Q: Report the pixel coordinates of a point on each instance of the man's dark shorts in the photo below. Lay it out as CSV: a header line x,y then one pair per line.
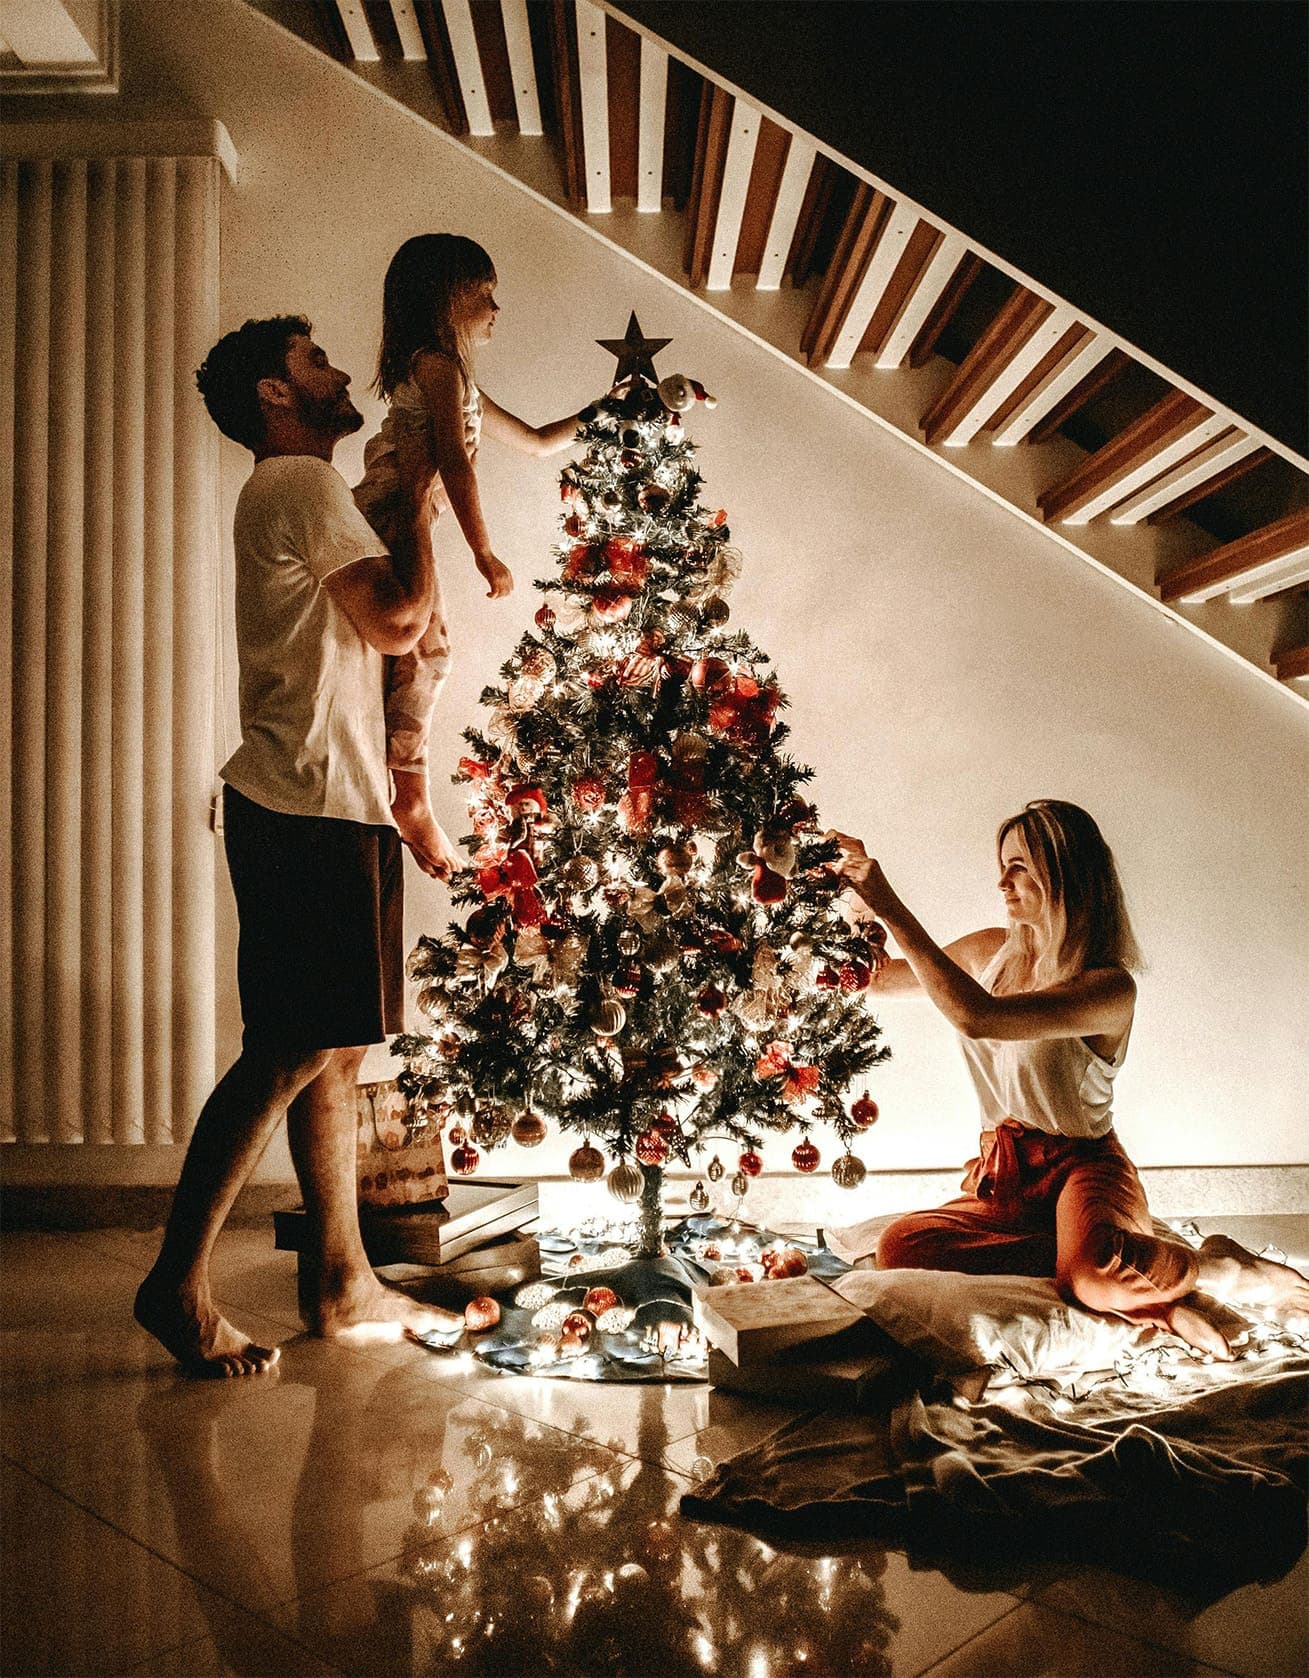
x,y
320,962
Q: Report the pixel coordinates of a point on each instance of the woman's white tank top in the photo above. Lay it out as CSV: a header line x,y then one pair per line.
x,y
1055,1084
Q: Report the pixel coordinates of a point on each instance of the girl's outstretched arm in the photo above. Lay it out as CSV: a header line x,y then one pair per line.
x,y
442,385
1098,1002
539,440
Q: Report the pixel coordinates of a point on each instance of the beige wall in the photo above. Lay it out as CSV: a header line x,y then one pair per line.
x,y
945,662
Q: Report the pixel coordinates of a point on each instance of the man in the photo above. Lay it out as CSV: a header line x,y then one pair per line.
x,y
311,845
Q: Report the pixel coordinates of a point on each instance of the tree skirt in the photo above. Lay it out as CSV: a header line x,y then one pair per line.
x,y
638,1325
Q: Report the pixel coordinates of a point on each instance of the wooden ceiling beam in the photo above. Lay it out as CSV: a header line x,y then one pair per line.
x,y
868,211
358,31
710,155
925,290
1292,663
1102,373
468,65
650,129
893,237
1228,449
1211,486
563,40
441,66
408,30
943,310
1068,369
593,85
522,66
1171,430
1250,561
791,193
743,137
957,413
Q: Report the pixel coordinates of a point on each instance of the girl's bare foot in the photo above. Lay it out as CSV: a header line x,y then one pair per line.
x,y
362,1309
199,1337
426,838
1233,1272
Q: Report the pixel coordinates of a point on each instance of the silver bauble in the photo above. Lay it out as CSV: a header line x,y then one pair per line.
x,y
714,1170
609,1017
739,1184
626,1181
699,1198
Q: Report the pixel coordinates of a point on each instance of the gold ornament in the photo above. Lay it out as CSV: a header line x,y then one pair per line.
x,y
699,1198
714,1170
609,1017
586,1164
528,1130
848,1171
739,1184
627,1181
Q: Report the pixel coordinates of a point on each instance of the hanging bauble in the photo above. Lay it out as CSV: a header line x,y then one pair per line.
x,y
627,981
608,1017
586,1164
611,501
575,1333
699,1198
662,953
848,1171
626,1181
751,1163
464,1159
457,1136
651,1148
580,873
864,1112
714,1170
483,1127
665,1125
654,498
715,612
827,978
528,1130
804,1156
739,1184
629,941
545,617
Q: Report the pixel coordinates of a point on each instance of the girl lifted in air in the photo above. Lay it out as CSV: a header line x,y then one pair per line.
x,y
438,308
1044,1010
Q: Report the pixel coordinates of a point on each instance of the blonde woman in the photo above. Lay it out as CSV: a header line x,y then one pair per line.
x,y
1044,1010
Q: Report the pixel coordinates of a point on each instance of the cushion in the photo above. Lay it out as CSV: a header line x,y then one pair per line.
x,y
1016,1326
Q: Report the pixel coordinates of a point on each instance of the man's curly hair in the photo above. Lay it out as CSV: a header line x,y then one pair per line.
x,y
229,376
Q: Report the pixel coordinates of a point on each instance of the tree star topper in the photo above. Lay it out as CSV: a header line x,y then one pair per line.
x,y
635,353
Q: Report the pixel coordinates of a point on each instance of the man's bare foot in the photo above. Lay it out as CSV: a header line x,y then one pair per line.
x,y
1207,1325
364,1310
1231,1271
426,839
199,1337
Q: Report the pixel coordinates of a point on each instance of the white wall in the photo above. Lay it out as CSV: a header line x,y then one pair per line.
x,y
945,662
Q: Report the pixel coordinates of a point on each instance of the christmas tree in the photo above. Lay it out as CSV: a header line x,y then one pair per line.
x,y
656,955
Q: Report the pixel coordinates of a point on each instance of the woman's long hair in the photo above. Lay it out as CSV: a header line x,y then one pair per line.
x,y
1085,922
429,277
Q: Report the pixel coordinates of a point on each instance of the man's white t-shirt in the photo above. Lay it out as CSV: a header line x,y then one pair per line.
x,y
313,731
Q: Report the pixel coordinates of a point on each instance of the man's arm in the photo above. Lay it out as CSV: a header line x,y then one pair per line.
x,y
388,597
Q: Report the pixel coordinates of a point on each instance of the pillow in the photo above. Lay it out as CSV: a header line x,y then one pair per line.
x,y
1015,1326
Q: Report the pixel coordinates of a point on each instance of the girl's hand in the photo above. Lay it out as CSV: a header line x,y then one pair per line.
x,y
499,576
862,873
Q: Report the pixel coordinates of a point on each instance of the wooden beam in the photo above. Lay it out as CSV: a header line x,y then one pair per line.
x,y
1022,313
623,103
1292,663
1258,553
468,65
412,46
568,100
942,311
710,155
493,53
1211,486
522,66
868,212
819,192
1102,373
1282,576
593,86
358,31
893,237
761,197
1073,358
743,136
1229,448
791,193
1166,433
650,134
922,294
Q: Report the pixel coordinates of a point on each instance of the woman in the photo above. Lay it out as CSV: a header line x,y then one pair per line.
x,y
1044,1010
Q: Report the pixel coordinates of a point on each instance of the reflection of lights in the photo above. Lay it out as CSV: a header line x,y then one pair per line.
x,y
465,1552
705,1651
758,1667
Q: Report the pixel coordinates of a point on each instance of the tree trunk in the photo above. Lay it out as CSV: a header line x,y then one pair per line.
x,y
652,1213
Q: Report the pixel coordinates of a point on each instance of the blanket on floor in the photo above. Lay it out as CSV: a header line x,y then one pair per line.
x,y
1200,1476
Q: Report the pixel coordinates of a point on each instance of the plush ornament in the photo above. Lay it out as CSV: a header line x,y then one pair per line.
x,y
865,1111
464,1159
480,1314
711,1002
805,1157
575,1333
651,1148
586,1164
750,1163
529,1130
599,1300
515,878
848,1171
544,618
678,393
714,1170
766,886
627,1181
608,1017
699,1198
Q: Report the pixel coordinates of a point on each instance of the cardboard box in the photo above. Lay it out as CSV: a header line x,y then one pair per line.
x,y
751,1322
855,1371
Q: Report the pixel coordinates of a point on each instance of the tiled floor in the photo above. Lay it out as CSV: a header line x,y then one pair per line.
x,y
385,1511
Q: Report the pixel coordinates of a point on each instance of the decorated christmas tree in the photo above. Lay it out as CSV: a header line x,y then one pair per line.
x,y
656,957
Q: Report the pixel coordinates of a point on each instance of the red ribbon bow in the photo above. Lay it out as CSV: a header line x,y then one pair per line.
x,y
798,1080
515,878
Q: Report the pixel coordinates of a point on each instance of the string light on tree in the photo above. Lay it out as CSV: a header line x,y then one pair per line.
x,y
652,952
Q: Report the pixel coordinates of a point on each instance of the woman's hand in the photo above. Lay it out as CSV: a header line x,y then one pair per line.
x,y
862,873
498,575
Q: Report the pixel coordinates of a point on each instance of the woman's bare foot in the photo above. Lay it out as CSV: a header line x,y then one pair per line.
x,y
1207,1326
426,838
362,1309
199,1337
1231,1271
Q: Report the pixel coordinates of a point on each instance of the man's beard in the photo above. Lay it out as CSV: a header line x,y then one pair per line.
x,y
337,415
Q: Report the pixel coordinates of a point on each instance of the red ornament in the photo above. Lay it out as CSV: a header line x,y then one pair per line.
x,y
827,978
575,1333
600,1300
855,976
481,1314
627,980
750,1163
588,793
464,1159
666,1125
586,1164
545,617
628,565
651,1148
864,1112
580,564
711,1002
766,887
804,1156
611,605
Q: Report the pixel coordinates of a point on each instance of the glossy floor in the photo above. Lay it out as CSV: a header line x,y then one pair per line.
x,y
385,1511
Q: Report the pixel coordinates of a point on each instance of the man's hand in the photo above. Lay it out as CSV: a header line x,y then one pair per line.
x,y
862,873
499,576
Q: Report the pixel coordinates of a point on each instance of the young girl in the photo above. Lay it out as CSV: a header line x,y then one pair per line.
x,y
1044,1009
438,307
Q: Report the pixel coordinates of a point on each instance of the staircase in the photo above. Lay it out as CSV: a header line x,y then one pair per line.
x,y
897,313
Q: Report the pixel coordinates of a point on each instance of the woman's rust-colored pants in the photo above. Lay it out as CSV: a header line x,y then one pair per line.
x,y
1062,1206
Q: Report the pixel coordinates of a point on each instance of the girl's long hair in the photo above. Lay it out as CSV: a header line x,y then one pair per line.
x,y
428,278
1085,920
